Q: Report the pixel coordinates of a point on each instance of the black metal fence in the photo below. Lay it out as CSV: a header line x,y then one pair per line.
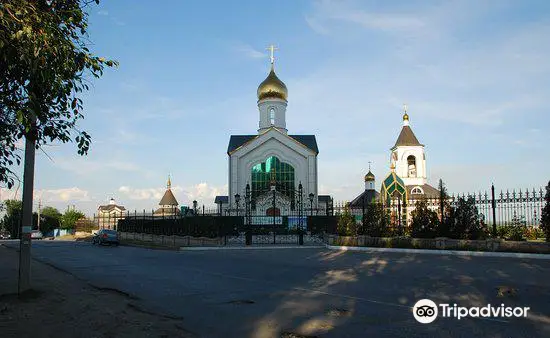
x,y
521,207
215,226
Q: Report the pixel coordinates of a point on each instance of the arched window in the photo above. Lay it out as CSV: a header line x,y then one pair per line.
x,y
272,116
411,166
417,191
263,173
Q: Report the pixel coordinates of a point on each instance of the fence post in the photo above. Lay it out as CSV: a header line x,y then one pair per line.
x,y
493,205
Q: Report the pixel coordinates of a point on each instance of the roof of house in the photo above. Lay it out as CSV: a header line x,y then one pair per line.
x,y
407,138
369,197
429,191
168,198
110,207
235,141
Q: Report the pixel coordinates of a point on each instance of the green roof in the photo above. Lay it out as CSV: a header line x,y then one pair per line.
x,y
392,184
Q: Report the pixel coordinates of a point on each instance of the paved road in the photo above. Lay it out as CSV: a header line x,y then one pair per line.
x,y
262,293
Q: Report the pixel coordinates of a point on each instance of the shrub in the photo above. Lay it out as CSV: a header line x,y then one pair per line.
x,y
424,222
375,221
465,222
532,233
346,223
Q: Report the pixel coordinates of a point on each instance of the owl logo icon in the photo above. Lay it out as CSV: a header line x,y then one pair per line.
x,y
425,311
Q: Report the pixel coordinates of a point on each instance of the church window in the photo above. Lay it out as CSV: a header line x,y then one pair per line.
x,y
417,191
272,116
411,166
272,169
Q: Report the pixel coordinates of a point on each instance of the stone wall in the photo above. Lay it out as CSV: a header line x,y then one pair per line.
x,y
440,243
169,241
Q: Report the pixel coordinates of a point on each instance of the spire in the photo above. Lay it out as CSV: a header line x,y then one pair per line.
x,y
405,115
169,183
272,50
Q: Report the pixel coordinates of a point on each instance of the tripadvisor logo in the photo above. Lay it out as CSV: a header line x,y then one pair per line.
x,y
426,311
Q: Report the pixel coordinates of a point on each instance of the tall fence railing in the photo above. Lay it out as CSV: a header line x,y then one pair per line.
x,y
510,207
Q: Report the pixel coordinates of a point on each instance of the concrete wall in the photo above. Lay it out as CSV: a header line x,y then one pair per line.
x,y
170,241
441,244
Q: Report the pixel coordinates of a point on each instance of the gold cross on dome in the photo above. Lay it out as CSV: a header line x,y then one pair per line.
x,y
272,50
369,165
405,108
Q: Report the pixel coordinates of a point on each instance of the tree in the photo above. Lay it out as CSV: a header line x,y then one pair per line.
x,y
346,223
514,230
11,221
424,222
465,222
545,217
44,67
69,218
376,221
50,219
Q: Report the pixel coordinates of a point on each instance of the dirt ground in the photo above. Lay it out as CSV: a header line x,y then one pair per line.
x,y
60,305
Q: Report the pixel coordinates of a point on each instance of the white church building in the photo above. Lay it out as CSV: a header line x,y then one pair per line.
x,y
271,166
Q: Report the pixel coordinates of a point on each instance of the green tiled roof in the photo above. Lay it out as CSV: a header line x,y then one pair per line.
x,y
392,184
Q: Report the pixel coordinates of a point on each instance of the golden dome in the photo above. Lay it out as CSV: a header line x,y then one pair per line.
x,y
369,177
406,117
272,87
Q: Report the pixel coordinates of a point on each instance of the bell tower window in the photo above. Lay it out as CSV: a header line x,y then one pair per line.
x,y
411,166
272,116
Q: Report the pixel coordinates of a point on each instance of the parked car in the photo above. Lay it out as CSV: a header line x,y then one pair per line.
x,y
5,235
106,236
36,234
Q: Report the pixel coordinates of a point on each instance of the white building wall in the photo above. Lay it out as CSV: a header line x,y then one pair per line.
x,y
264,107
272,143
401,165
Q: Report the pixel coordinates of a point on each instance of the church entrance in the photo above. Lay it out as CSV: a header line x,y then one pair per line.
x,y
273,212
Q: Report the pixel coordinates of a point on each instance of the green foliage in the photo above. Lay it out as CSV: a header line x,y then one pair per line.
x,y
69,218
534,232
425,222
45,65
465,222
515,230
346,223
376,221
50,219
545,217
11,222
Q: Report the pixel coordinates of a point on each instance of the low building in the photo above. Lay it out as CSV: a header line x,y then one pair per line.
x,y
168,203
109,214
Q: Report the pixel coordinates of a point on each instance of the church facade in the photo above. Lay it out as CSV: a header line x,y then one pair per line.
x,y
407,181
408,178
271,171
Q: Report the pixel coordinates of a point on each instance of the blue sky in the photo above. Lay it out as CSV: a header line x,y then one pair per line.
x,y
475,75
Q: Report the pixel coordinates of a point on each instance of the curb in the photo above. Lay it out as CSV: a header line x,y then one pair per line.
x,y
265,247
443,252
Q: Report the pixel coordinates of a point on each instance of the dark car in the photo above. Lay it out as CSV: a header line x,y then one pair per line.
x,y
106,236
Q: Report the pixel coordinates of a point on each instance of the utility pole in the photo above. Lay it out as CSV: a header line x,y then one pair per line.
x,y
26,224
39,206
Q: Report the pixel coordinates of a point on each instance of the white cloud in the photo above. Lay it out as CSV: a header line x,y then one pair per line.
x,y
86,166
249,51
327,15
202,192
103,12
73,194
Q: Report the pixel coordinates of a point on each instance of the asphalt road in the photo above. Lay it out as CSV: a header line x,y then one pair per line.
x,y
315,292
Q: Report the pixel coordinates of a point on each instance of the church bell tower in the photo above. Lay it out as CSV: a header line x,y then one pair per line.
x,y
272,101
